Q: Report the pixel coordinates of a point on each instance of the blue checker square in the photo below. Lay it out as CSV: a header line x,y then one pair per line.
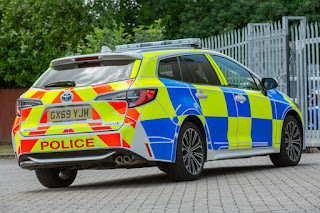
x,y
152,127
231,105
273,106
162,150
244,108
282,108
261,130
218,127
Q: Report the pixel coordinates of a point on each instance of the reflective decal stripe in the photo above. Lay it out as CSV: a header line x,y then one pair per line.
x,y
217,69
135,69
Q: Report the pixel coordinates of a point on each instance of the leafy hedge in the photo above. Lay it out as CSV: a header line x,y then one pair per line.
x,y
33,32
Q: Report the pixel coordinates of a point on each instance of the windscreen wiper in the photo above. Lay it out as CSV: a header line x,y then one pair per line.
x,y
61,84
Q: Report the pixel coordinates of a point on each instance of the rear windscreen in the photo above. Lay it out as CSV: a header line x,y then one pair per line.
x,y
87,74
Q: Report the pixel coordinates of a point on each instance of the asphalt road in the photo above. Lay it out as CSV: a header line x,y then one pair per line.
x,y
241,185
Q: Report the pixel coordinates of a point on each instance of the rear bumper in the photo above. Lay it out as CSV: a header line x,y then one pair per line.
x,y
81,150
85,159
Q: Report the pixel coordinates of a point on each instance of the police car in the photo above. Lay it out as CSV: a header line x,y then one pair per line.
x,y
169,104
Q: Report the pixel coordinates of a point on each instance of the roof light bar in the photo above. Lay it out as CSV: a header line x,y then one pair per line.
x,y
188,42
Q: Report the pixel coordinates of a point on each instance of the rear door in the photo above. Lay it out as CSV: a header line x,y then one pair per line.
x,y
217,106
255,110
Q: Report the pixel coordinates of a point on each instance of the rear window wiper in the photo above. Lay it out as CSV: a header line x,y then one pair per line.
x,y
61,84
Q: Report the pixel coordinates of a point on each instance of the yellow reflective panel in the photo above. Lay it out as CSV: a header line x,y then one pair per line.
x,y
150,82
127,132
86,94
143,66
260,105
165,102
232,132
56,129
107,112
279,133
153,110
181,118
135,69
33,118
17,139
150,69
298,111
215,104
30,93
274,132
244,133
119,85
49,96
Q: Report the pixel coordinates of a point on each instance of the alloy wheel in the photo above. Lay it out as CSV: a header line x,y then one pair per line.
x,y
293,141
192,151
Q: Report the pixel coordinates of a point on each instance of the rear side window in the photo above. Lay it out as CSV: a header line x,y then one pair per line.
x,y
87,74
201,69
186,75
169,68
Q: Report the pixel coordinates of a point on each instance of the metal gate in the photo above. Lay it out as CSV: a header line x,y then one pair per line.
x,y
288,54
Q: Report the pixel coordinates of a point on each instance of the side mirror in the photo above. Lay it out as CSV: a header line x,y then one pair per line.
x,y
269,83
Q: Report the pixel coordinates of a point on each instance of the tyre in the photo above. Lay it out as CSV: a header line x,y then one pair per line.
x,y
291,144
56,177
190,154
163,168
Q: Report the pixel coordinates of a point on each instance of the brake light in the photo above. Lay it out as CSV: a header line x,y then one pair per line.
x,y
139,97
133,97
26,103
18,111
86,58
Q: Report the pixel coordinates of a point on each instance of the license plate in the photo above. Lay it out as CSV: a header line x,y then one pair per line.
x,y
70,114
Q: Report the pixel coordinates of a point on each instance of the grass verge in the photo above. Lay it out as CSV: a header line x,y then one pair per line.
x,y
6,150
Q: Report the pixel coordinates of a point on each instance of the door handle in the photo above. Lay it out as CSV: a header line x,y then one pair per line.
x,y
240,98
201,95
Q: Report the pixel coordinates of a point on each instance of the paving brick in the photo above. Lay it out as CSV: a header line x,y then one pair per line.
x,y
239,185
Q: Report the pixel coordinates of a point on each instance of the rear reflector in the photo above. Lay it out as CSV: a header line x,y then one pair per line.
x,y
148,148
86,58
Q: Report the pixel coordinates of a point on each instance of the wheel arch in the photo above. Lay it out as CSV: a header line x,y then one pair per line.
x,y
297,116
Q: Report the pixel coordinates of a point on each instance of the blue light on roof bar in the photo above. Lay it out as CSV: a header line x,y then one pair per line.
x,y
188,42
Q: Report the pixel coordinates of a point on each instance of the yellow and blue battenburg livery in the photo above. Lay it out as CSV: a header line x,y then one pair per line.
x,y
166,103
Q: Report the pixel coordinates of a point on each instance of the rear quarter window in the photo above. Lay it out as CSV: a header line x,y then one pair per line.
x,y
169,68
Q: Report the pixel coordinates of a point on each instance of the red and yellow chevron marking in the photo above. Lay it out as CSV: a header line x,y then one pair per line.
x,y
127,131
16,135
16,125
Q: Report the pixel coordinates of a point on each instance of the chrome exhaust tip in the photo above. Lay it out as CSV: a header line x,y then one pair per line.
x,y
126,159
119,159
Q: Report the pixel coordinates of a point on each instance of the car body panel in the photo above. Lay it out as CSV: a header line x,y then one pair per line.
x,y
151,130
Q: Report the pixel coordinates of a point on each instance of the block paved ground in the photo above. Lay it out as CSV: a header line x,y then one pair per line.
x,y
241,185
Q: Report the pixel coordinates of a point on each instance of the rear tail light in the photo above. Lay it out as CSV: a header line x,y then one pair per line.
x,y
139,97
133,97
26,103
86,58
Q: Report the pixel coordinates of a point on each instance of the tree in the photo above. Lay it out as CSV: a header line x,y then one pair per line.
x,y
33,32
